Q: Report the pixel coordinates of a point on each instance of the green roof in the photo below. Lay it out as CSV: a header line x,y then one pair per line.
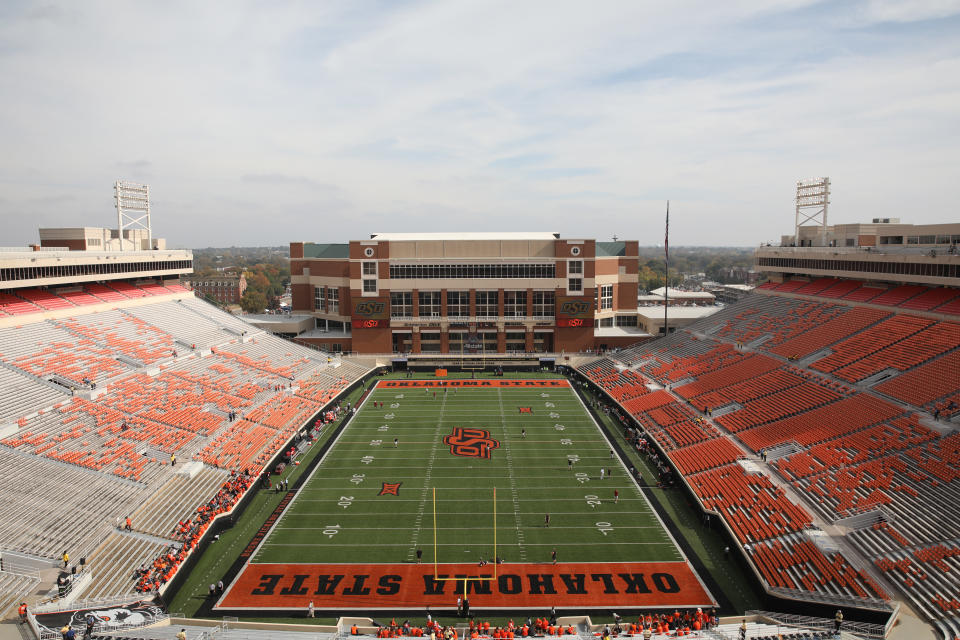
x,y
611,249
331,251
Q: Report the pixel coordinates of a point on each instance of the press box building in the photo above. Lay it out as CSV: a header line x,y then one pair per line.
x,y
466,292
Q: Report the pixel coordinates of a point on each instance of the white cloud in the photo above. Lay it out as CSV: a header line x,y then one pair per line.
x,y
264,124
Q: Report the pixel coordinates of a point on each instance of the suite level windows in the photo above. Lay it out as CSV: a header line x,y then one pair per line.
x,y
544,303
458,304
71,270
514,304
429,304
487,303
401,304
455,271
606,296
862,266
319,294
333,300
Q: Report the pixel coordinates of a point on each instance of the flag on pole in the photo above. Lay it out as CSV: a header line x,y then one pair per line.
x,y
666,236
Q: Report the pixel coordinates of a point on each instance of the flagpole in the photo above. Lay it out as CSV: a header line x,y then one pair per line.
x,y
666,275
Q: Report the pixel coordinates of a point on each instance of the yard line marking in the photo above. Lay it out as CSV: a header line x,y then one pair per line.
x,y
418,528
513,480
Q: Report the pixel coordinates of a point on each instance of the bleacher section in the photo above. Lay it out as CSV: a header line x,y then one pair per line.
x,y
14,588
915,297
841,396
94,405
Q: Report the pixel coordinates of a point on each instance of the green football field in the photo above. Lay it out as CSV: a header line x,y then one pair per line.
x,y
421,473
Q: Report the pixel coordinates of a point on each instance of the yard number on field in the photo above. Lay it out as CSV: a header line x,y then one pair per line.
x,y
345,501
604,527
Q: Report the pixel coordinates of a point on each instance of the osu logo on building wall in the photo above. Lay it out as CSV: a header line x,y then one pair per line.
x,y
575,307
472,443
370,308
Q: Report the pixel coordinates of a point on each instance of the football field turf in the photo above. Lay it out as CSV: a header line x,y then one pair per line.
x,y
502,468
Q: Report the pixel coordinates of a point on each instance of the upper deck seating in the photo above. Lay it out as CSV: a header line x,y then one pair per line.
x,y
45,299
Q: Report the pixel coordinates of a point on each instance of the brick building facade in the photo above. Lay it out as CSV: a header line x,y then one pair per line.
x,y
466,292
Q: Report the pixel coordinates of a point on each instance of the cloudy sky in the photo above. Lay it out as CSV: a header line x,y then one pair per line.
x,y
264,122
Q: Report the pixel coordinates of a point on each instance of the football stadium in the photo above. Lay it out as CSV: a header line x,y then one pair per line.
x,y
787,465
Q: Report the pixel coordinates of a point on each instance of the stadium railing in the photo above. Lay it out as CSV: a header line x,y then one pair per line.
x,y
864,629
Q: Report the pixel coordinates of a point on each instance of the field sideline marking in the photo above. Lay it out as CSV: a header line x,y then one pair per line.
x,y
460,544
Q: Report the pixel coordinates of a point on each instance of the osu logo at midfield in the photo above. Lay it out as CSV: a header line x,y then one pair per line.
x,y
473,443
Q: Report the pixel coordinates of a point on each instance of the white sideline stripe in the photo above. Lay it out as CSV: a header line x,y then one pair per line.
x,y
472,545
504,528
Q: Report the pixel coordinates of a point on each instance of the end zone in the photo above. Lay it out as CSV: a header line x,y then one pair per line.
x,y
282,587
547,383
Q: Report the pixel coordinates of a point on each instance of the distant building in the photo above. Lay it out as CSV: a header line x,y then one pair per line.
x,y
99,239
224,289
881,233
880,253
676,297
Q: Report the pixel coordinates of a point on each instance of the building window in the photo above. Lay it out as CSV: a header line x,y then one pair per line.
x,y
543,303
575,267
369,286
487,303
516,341
333,300
471,271
626,321
514,304
458,304
319,293
605,322
606,296
575,285
401,304
370,268
430,342
428,304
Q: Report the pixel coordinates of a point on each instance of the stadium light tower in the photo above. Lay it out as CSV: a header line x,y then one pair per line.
x,y
133,209
813,196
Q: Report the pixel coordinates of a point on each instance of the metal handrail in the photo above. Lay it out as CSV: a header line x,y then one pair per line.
x,y
812,622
